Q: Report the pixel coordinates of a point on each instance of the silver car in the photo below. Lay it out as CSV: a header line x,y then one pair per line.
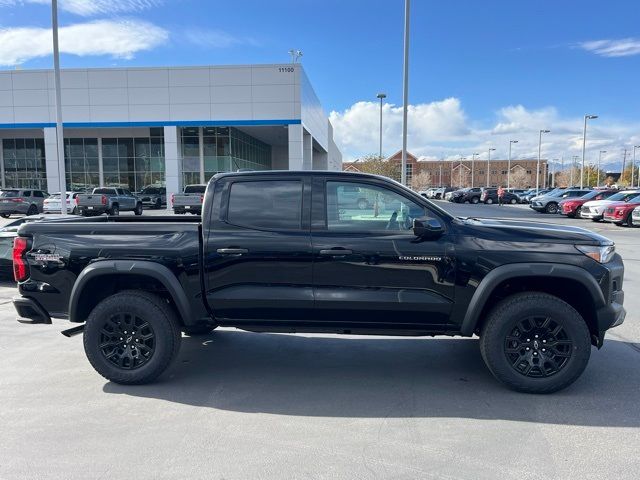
x,y
21,201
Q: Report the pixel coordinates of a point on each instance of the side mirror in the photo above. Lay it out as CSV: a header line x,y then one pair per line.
x,y
426,227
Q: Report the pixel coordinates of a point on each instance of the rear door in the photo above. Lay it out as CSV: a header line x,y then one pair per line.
x,y
258,250
369,268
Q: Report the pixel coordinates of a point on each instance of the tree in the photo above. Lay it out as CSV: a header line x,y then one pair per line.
x,y
421,181
519,178
378,166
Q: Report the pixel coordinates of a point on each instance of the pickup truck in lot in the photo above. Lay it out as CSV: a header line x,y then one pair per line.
x,y
190,200
281,252
108,200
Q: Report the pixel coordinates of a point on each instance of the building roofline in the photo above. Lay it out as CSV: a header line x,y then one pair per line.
x,y
153,67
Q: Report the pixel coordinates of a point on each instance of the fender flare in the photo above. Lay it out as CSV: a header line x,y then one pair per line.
x,y
515,270
130,267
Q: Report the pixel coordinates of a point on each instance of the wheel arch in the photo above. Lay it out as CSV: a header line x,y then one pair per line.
x,y
579,289
111,276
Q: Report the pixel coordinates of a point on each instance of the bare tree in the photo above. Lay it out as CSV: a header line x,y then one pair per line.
x,y
421,181
519,178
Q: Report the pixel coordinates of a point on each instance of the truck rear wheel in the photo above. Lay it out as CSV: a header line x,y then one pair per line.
x,y
535,343
138,209
131,337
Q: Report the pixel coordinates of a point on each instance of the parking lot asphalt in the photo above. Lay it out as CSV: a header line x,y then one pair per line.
x,y
240,405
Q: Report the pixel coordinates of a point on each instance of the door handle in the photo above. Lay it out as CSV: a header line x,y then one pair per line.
x,y
232,251
336,252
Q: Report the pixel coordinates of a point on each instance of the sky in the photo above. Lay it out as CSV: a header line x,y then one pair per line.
x,y
482,73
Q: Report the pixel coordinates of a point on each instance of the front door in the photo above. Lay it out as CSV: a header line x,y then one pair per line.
x,y
369,267
258,252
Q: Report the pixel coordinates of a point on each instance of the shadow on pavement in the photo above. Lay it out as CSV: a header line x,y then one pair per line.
x,y
383,377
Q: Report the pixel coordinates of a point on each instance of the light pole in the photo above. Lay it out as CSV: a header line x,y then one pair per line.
x,y
473,159
405,92
573,167
599,160
511,142
488,162
633,163
381,96
62,181
538,167
584,143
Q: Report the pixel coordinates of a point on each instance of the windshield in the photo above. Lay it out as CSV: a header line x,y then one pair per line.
x,y
621,196
150,190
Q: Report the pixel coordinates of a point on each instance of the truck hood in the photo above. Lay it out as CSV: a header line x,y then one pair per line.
x,y
520,231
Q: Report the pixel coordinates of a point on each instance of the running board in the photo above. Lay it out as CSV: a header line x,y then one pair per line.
x,y
73,331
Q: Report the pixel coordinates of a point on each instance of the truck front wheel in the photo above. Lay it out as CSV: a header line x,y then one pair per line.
x,y
131,337
535,343
115,211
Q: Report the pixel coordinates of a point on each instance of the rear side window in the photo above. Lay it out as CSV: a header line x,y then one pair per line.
x,y
38,193
195,188
26,193
107,191
10,193
268,205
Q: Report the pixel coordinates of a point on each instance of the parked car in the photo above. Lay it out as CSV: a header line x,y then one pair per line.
x,y
572,207
131,285
635,217
529,194
108,200
22,201
441,192
490,195
594,209
193,196
428,193
153,197
52,203
620,213
466,195
549,203
7,234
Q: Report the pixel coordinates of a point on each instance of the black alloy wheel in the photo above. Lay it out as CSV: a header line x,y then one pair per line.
x,y
33,210
538,347
127,341
551,207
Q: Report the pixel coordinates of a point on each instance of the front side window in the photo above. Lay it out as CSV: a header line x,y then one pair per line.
x,y
266,205
358,207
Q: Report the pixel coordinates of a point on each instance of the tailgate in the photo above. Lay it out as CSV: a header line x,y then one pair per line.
x,y
191,199
90,200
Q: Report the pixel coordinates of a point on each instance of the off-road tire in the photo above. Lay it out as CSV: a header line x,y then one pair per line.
x,y
151,309
505,317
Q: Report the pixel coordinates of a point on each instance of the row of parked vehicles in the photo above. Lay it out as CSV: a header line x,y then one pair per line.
x,y
621,207
109,200
479,195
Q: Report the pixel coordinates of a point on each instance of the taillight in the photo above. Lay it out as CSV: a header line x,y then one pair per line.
x,y
201,198
20,266
173,196
103,200
76,200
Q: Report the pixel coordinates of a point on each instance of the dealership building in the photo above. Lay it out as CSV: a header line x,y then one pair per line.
x,y
173,126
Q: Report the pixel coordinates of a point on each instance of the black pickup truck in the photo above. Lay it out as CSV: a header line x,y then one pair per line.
x,y
289,252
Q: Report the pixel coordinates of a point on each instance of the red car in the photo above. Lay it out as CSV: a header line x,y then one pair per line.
x,y
571,206
620,212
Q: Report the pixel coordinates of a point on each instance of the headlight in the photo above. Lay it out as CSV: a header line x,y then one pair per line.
x,y
602,254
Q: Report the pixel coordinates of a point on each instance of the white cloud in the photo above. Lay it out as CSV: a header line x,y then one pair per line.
x,y
624,47
120,39
87,8
441,129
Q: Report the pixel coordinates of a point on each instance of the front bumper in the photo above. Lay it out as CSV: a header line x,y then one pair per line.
x,y
537,206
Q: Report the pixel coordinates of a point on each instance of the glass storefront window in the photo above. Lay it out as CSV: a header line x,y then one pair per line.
x,y
134,163
24,163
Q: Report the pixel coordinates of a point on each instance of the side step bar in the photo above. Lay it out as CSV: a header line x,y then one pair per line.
x,y
70,332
